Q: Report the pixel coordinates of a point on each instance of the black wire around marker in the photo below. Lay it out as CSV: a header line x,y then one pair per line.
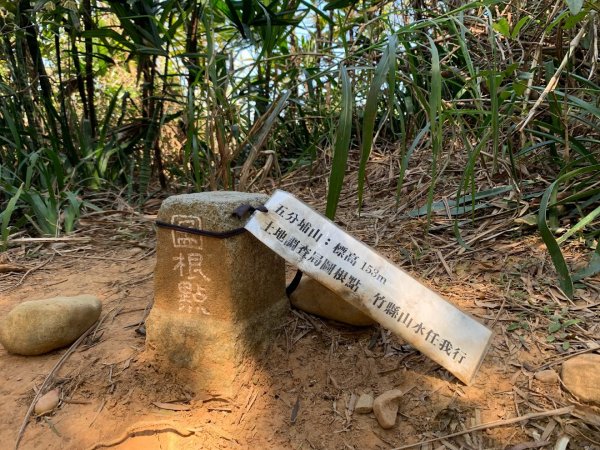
x,y
242,210
294,283
239,212
215,234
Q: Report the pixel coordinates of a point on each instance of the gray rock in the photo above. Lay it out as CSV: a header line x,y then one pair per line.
x,y
39,326
546,376
581,376
364,405
385,408
312,297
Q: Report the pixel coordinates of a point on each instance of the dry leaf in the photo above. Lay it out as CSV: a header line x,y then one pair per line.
x,y
5,268
588,414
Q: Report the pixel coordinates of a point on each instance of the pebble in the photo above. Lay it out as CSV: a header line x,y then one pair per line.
x,y
314,298
134,251
40,326
385,408
581,376
47,402
546,376
364,405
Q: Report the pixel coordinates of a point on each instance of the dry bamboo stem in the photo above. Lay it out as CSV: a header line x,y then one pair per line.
x,y
497,423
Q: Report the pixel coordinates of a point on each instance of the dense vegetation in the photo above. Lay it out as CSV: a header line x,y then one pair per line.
x,y
130,95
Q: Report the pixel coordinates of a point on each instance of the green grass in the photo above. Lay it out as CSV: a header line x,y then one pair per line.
x,y
219,94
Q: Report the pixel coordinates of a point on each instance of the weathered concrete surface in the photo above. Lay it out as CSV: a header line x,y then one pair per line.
x,y
39,326
217,301
312,297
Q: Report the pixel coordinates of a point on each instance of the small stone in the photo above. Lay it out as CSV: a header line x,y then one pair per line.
x,y
134,251
314,298
364,405
581,376
546,376
47,402
39,326
385,408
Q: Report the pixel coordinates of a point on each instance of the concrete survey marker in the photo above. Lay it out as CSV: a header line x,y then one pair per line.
x,y
370,282
216,301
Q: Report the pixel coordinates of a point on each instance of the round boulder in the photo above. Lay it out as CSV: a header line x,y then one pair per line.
x,y
39,326
314,298
581,376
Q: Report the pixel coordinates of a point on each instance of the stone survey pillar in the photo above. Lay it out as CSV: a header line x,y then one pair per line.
x,y
216,301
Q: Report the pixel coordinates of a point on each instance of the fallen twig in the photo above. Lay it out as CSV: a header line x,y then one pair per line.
x,y
295,411
144,317
249,402
502,305
18,283
570,355
528,445
52,426
46,382
45,240
6,268
98,411
497,423
145,427
554,80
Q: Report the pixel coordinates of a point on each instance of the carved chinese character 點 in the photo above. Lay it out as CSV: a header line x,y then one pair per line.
x,y
192,298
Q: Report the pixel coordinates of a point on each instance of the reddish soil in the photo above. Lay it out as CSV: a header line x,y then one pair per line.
x,y
301,394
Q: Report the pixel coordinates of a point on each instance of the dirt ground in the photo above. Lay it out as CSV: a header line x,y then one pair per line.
x,y
302,394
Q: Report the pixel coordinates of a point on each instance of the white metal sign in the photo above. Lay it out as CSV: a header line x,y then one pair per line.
x,y
370,282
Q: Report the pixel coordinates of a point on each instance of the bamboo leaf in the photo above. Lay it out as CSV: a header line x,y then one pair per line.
x,y
406,159
233,15
435,109
316,10
592,268
517,28
575,6
560,264
247,11
108,33
494,80
554,327
107,116
342,145
338,4
565,279
370,111
461,203
585,221
6,215
502,27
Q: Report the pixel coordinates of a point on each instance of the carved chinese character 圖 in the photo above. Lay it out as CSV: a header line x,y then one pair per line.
x,y
182,239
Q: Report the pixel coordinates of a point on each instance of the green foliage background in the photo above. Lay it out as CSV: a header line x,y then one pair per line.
x,y
132,94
